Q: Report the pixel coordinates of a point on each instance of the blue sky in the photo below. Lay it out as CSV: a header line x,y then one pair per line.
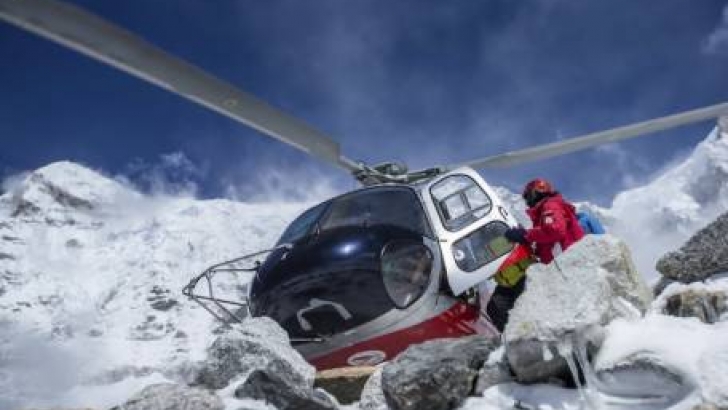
x,y
422,81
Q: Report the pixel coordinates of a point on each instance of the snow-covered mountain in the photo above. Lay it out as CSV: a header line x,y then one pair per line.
x,y
90,279
663,214
91,270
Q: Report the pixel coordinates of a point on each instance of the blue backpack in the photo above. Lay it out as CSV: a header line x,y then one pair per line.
x,y
589,223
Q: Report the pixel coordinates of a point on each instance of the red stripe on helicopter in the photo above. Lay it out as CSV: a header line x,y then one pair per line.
x,y
460,320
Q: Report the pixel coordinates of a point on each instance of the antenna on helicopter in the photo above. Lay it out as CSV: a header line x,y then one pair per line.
x,y
102,40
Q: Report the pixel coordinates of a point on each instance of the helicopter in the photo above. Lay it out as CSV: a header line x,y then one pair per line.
x,y
358,278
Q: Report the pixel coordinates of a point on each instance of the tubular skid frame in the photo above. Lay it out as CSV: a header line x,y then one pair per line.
x,y
193,293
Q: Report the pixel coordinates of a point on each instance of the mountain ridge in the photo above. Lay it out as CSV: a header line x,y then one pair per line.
x,y
91,269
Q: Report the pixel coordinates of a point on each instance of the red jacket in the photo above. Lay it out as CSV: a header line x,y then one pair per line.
x,y
554,223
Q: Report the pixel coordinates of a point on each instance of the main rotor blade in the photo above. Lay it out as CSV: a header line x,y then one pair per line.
x,y
598,138
99,39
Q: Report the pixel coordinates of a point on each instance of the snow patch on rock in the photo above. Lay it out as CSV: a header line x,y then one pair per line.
x,y
584,286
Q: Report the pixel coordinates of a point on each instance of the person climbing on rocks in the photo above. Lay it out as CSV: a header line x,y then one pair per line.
x,y
555,224
555,229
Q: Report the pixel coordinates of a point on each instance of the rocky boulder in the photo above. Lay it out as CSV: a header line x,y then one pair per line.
x,y
705,305
372,396
704,254
167,396
274,389
583,289
256,344
495,371
435,375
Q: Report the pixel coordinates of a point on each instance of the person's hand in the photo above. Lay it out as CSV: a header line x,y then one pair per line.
x,y
516,235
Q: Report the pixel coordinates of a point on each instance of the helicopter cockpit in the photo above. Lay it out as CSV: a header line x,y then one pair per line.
x,y
358,256
348,261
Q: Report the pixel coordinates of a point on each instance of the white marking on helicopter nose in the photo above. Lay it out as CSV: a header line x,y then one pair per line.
x,y
315,304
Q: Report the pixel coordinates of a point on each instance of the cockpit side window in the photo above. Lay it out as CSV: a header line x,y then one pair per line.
x,y
392,206
302,225
460,201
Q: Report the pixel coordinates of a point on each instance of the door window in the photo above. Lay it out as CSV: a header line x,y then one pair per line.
x,y
482,246
302,225
460,201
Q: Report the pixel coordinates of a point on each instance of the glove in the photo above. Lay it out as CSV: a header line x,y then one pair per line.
x,y
516,235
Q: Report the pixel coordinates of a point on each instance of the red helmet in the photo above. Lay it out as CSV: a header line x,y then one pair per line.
x,y
536,190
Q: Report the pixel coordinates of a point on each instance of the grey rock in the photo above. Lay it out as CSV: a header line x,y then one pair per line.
x,y
257,344
583,289
492,374
703,255
705,305
167,396
536,361
151,329
372,396
7,256
73,243
438,374
274,389
163,304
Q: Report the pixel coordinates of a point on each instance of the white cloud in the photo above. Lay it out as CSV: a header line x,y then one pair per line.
x,y
11,182
632,170
295,184
717,41
173,174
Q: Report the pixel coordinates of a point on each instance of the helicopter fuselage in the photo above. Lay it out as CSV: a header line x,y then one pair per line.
x,y
367,273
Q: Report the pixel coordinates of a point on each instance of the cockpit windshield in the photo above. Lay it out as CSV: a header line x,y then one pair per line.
x,y
393,206
302,225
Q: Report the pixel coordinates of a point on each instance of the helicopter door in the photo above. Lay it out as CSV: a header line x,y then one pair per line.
x,y
470,220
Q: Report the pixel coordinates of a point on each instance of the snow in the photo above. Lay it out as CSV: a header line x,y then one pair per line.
x,y
714,284
696,351
84,256
686,346
661,216
511,395
105,395
79,277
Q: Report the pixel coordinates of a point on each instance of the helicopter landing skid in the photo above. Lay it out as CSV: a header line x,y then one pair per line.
x,y
227,310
